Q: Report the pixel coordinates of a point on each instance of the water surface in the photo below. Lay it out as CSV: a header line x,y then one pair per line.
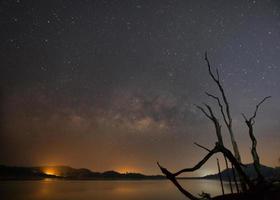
x,y
104,190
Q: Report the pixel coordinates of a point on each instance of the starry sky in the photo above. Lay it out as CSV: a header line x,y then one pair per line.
x,y
111,84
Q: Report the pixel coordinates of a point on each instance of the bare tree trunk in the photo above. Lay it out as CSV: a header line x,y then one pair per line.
x,y
220,176
250,123
219,146
234,178
255,153
228,175
225,113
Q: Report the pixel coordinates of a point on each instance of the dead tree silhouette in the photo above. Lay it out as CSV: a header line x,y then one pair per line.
x,y
250,123
219,147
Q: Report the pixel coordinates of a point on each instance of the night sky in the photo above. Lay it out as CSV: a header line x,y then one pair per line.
x,y
112,84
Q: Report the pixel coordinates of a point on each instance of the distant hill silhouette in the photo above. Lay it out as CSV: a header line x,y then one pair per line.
x,y
65,172
268,172
8,173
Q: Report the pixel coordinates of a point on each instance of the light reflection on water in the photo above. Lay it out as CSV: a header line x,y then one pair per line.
x,y
104,190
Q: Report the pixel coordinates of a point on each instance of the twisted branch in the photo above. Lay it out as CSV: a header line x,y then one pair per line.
x,y
217,149
250,123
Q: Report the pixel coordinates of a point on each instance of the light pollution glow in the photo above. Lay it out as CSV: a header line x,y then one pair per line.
x,y
51,171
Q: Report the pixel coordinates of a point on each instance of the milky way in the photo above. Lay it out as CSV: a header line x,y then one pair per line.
x,y
112,84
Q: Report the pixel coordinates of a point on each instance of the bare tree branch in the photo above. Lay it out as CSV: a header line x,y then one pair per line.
x,y
220,105
204,112
228,118
199,164
205,148
244,116
217,81
210,111
217,149
215,121
218,75
209,69
258,105
250,123
173,179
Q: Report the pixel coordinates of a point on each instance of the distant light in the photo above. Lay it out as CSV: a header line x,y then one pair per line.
x,y
51,171
125,170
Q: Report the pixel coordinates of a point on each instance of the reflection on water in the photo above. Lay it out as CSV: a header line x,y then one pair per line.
x,y
104,190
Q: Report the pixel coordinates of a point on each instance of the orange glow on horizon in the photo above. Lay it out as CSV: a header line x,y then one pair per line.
x,y
124,170
51,171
